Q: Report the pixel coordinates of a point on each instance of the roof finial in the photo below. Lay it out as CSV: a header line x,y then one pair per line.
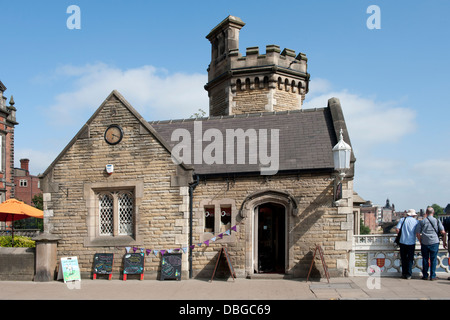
x,y
11,101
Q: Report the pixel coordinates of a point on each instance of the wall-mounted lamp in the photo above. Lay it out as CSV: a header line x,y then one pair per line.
x,y
341,157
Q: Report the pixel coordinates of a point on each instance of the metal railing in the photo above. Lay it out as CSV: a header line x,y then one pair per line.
x,y
21,232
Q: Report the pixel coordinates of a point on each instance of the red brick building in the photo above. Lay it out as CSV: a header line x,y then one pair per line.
x,y
7,124
27,185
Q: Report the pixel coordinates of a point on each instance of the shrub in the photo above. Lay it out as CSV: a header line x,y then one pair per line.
x,y
19,241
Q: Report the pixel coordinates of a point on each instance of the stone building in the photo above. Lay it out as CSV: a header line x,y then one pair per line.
x,y
256,176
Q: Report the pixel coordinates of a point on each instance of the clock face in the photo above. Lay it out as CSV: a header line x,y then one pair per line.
x,y
114,134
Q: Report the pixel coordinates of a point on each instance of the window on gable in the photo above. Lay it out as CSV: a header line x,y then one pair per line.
x,y
116,213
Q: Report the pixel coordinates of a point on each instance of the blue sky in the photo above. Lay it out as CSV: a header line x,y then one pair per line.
x,y
392,82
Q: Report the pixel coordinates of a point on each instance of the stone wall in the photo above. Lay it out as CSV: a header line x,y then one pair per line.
x,y
142,166
315,221
17,264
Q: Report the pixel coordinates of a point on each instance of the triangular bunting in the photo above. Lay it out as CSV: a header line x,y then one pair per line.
x,y
162,252
206,242
184,249
213,239
155,252
127,249
148,251
227,232
233,228
220,235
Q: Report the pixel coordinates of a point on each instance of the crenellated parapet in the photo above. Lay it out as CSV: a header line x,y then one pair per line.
x,y
257,82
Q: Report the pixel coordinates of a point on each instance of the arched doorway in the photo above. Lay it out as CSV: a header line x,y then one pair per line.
x,y
284,208
270,238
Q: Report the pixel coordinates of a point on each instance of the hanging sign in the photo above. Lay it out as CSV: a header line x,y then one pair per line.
x,y
69,269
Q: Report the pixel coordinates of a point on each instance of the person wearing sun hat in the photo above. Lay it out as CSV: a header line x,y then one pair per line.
x,y
407,243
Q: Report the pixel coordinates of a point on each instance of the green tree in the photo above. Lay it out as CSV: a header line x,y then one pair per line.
x,y
363,229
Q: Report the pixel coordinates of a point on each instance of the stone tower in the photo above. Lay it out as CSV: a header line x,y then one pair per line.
x,y
274,81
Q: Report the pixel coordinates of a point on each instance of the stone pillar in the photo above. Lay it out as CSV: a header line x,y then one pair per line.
x,y
46,257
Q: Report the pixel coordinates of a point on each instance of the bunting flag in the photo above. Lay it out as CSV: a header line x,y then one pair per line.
x,y
183,249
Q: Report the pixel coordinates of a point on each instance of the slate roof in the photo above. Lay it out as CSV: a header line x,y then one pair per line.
x,y
306,138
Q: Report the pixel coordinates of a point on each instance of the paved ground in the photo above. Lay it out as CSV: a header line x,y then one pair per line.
x,y
353,288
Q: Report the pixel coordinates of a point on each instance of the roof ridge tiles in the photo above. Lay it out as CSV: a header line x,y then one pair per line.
x,y
235,116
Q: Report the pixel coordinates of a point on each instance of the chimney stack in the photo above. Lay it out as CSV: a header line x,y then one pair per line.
x,y
24,164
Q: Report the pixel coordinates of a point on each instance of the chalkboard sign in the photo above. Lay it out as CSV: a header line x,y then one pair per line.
x,y
223,253
133,263
171,266
103,264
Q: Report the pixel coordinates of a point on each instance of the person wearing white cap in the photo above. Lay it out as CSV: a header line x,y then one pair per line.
x,y
407,226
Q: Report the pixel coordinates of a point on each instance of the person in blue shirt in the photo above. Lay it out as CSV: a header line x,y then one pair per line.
x,y
428,231
407,244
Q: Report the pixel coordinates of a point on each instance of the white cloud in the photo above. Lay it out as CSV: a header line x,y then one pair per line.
x,y
155,93
39,160
369,121
373,125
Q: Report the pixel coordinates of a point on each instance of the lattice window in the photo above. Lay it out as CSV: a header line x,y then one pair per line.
x,y
126,210
106,208
116,213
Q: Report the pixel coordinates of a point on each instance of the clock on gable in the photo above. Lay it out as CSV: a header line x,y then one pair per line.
x,y
113,134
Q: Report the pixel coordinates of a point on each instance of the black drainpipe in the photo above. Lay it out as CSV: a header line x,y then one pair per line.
x,y
191,198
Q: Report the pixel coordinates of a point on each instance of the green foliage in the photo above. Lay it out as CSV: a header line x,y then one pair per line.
x,y
201,113
19,241
363,229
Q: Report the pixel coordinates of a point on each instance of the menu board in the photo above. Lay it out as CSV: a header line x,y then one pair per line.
x,y
103,264
133,263
171,266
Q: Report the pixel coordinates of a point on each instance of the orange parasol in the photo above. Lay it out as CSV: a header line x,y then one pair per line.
x,y
13,210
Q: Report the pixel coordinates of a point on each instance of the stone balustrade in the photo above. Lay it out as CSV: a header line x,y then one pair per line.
x,y
370,251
